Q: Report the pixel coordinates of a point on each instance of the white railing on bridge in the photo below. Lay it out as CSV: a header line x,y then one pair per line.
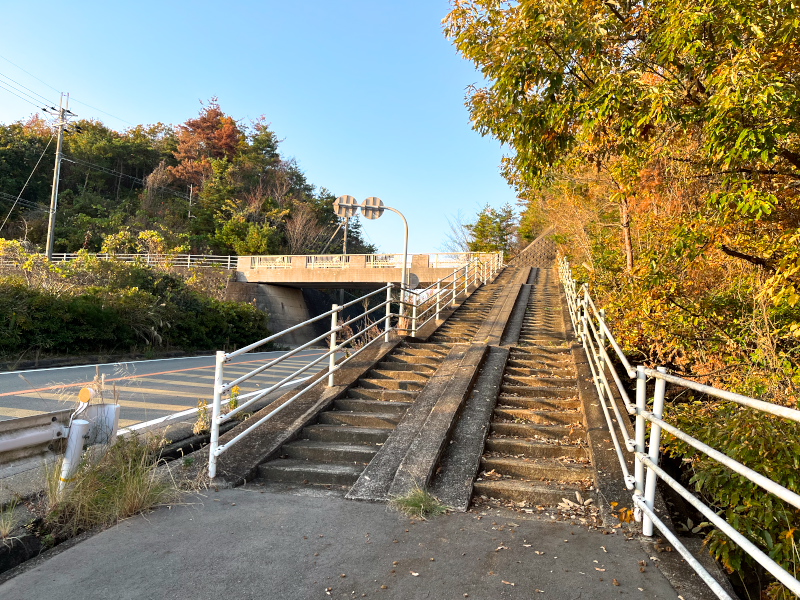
x,y
345,336
446,260
590,326
170,260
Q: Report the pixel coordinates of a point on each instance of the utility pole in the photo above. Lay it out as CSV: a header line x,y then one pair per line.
x,y
344,244
51,225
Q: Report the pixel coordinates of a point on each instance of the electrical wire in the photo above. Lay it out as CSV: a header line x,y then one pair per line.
x,y
101,110
18,84
36,104
31,74
108,171
26,182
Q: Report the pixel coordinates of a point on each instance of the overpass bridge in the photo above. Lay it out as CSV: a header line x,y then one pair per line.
x,y
322,271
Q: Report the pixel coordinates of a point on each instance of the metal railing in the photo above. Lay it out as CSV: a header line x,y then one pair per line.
x,y
172,260
597,339
416,308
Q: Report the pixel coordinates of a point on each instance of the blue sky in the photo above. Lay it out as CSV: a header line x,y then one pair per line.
x,y
367,96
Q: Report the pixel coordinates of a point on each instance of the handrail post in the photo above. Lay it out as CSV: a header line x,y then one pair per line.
x,y
216,409
655,444
414,318
332,357
453,301
388,326
602,327
438,298
466,278
641,406
585,313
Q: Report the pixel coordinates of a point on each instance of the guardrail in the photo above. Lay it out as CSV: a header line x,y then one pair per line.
x,y
172,260
591,328
416,307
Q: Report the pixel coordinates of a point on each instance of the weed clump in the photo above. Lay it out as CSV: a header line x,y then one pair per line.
x,y
419,504
120,483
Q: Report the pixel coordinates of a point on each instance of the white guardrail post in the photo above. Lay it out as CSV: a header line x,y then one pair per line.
x,y
216,410
332,357
388,326
438,298
414,317
641,406
655,445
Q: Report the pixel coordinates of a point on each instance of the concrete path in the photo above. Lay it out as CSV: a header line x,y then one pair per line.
x,y
248,543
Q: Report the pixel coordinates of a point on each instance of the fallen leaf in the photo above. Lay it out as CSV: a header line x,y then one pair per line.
x,y
615,582
415,574
508,582
598,569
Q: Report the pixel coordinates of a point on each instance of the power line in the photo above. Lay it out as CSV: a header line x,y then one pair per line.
x,y
26,182
31,74
17,83
102,111
138,180
36,104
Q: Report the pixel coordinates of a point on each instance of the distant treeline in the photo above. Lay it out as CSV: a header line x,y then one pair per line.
x,y
209,185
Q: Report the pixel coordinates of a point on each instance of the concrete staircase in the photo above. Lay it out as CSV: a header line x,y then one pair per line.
x,y
336,449
536,452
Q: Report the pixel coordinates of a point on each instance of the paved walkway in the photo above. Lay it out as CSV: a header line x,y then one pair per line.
x,y
246,543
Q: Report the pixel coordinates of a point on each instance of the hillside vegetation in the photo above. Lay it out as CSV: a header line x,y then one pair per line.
x,y
662,140
209,185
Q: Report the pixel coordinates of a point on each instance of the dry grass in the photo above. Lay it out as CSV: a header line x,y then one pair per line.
x,y
119,483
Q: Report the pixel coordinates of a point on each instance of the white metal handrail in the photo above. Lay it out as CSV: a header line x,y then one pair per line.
x,y
590,326
368,332
175,260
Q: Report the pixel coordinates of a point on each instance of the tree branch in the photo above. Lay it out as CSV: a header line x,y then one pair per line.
x,y
756,260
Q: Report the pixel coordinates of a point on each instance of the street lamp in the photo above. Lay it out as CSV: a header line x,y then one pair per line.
x,y
372,208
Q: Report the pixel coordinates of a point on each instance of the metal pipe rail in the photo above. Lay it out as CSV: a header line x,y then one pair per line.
x,y
595,335
475,272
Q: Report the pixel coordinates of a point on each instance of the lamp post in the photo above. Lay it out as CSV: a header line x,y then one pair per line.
x,y
372,208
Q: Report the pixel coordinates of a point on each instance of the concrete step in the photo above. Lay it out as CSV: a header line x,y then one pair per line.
x,y
399,374
391,384
538,391
318,451
359,419
346,434
372,405
423,362
544,417
424,349
304,471
516,368
507,401
530,448
532,493
554,382
530,430
382,394
396,364
551,469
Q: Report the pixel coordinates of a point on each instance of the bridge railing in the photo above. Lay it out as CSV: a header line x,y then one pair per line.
x,y
345,336
590,326
172,260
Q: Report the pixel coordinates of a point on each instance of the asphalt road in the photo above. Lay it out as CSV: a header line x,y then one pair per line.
x,y
146,389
